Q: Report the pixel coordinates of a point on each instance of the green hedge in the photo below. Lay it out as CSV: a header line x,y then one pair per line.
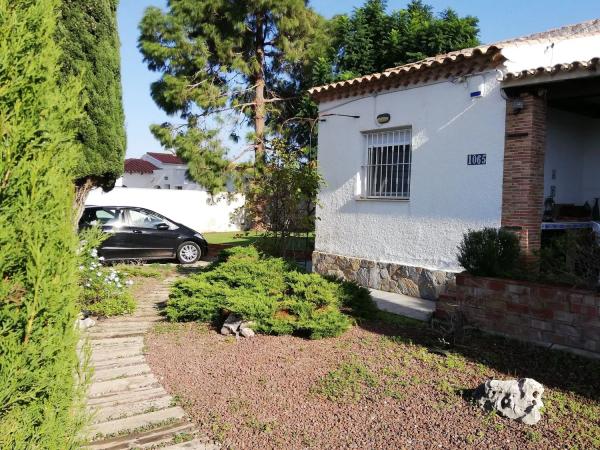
x,y
39,391
273,293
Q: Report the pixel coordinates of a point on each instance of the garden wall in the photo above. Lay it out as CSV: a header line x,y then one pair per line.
x,y
195,209
538,313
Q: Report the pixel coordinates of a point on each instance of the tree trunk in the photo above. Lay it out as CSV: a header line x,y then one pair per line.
x,y
82,189
259,120
259,98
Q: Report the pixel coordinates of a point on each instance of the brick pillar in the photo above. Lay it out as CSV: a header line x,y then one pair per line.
x,y
523,182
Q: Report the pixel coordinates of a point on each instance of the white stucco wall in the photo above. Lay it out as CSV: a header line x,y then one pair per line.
x,y
447,196
573,155
194,209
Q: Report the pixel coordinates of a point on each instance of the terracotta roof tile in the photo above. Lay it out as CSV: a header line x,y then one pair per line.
x,y
592,64
134,165
166,158
589,28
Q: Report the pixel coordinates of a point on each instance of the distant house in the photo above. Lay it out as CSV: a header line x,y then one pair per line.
x,y
158,171
415,156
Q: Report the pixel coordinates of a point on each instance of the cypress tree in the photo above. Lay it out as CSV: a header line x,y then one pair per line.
x,y
90,42
38,277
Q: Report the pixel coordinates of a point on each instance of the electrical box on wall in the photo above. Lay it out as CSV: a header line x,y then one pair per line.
x,y
476,86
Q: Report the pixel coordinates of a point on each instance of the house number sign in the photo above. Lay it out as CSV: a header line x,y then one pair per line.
x,y
477,159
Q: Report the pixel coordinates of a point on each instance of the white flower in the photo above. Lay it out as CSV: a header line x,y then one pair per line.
x,y
87,284
81,267
99,274
101,258
94,252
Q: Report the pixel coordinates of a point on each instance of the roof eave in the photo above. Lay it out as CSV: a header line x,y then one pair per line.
x,y
430,69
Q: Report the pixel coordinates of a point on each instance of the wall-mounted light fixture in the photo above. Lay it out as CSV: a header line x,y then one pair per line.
x,y
517,105
322,116
383,118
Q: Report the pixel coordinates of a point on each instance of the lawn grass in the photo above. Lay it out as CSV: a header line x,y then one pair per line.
x,y
241,238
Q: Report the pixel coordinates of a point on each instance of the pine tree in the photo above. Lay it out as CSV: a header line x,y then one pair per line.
x,y
90,43
219,56
38,361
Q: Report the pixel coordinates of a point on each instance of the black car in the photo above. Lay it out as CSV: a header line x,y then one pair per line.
x,y
138,233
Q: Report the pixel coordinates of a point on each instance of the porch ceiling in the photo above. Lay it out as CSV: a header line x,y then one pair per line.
x,y
580,96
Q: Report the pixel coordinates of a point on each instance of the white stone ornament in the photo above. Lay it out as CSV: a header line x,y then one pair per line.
x,y
520,400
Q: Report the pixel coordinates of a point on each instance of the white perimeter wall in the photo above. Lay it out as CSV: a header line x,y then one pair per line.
x,y
195,209
447,196
573,154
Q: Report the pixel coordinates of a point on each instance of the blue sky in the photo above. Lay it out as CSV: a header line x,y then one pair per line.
x,y
497,19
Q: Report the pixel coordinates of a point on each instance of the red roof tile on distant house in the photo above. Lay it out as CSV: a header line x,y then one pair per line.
x,y
134,165
166,158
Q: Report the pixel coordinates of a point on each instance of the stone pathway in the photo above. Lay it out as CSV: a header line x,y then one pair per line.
x,y
129,406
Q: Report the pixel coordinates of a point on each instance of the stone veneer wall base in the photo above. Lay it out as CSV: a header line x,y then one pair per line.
x,y
385,276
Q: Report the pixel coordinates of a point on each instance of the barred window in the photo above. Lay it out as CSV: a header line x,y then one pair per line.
x,y
388,159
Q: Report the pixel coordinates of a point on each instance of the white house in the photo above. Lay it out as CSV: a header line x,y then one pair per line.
x,y
415,156
158,171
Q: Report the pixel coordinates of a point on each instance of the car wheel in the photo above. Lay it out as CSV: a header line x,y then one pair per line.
x,y
188,253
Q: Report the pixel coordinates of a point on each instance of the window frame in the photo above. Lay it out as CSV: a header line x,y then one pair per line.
x,y
400,136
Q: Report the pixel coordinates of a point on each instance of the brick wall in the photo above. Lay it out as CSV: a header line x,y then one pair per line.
x,y
532,312
523,181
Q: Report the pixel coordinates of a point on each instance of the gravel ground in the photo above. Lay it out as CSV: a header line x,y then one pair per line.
x,y
376,387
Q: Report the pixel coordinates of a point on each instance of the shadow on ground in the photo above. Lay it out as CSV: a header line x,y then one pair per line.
x,y
553,368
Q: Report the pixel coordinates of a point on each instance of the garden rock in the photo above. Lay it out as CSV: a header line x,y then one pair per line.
x,y
247,332
519,400
231,325
234,325
86,323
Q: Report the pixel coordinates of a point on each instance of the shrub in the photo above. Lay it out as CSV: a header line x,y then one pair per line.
x,y
572,258
104,290
40,386
490,252
273,293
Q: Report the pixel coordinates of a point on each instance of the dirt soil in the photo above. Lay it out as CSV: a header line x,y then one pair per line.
x,y
382,385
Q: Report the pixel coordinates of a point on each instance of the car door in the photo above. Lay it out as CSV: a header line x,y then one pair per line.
x,y
112,222
153,236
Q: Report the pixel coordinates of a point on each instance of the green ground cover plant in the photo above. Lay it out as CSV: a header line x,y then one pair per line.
x,y
271,292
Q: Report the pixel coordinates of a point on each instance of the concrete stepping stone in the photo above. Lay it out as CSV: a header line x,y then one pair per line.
x,y
100,388
120,398
151,439
195,444
133,423
123,410
120,371
119,362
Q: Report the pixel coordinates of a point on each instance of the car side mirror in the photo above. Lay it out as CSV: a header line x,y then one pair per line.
x,y
162,226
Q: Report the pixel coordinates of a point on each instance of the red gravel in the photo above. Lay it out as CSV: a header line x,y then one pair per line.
x,y
260,393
